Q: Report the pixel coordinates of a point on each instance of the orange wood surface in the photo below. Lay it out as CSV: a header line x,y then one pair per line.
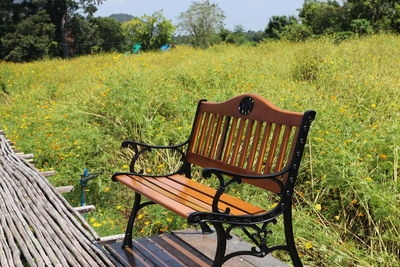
x,y
184,196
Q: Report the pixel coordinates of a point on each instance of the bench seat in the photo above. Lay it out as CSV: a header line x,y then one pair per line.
x,y
184,196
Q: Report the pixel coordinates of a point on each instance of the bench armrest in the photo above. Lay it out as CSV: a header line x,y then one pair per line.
x,y
133,144
140,148
223,216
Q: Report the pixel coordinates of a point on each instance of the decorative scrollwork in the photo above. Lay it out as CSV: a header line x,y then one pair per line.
x,y
246,105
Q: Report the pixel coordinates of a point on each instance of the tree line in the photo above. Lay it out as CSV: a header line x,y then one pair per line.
x,y
35,29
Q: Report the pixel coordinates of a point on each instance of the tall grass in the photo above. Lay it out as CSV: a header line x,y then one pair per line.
x,y
73,114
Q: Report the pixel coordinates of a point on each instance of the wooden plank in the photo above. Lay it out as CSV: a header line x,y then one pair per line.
x,y
209,132
198,257
272,149
246,143
254,145
128,257
283,148
25,156
85,209
154,252
173,205
264,142
194,188
112,238
206,244
65,189
223,137
203,130
216,137
228,147
238,142
48,173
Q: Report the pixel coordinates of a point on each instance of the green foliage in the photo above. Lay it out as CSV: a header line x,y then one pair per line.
x,y
323,16
277,24
339,37
238,36
361,26
296,32
109,34
73,114
383,14
203,20
151,31
32,40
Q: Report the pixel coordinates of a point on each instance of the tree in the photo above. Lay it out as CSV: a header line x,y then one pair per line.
x,y
238,36
276,25
383,14
203,20
151,31
61,12
32,40
324,16
109,33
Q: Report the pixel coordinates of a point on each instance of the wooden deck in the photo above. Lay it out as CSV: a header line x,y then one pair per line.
x,y
184,248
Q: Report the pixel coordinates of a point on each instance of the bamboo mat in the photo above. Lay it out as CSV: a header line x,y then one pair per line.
x,y
38,227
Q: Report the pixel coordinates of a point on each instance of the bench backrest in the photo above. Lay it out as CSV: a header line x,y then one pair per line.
x,y
246,135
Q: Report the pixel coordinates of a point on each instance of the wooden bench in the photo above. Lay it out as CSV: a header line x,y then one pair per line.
x,y
245,139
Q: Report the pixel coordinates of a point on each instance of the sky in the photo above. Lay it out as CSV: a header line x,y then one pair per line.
x,y
251,14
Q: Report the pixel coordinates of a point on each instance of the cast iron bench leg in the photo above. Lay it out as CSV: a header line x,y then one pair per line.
x,y
221,245
287,219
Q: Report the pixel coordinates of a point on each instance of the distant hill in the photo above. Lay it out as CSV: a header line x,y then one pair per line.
x,y
122,17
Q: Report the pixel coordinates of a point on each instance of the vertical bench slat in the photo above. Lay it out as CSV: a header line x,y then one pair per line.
x,y
209,132
254,145
246,143
272,148
193,145
238,141
223,137
283,148
263,147
217,136
203,130
228,147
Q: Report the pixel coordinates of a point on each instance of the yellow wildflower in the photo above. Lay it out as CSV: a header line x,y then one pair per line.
x,y
308,245
318,206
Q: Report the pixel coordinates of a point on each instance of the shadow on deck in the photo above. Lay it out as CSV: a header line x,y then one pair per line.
x,y
184,248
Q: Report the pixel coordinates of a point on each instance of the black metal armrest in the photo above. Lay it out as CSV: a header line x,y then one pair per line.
x,y
237,178
201,216
133,144
140,148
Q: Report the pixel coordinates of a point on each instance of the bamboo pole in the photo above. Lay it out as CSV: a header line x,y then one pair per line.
x,y
36,223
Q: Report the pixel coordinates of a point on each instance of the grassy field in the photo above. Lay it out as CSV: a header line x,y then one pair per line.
x,y
72,114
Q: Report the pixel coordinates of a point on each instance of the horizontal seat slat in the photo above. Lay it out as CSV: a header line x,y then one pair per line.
x,y
184,196
168,203
225,198
206,194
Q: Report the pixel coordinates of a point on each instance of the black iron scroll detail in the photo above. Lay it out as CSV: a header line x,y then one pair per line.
x,y
246,105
